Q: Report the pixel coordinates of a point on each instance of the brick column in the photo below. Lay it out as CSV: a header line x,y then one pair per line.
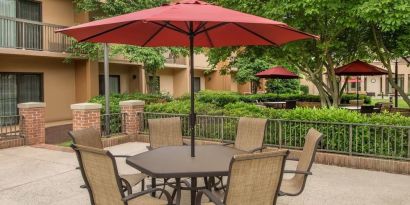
x,y
33,122
131,122
86,115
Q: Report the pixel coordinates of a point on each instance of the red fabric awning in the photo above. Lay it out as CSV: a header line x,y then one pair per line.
x,y
358,68
169,25
277,72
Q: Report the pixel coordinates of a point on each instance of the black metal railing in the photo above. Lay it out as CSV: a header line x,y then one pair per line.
x,y
32,35
382,141
10,127
112,124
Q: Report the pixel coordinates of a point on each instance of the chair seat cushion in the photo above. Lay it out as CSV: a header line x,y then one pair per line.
x,y
134,179
147,200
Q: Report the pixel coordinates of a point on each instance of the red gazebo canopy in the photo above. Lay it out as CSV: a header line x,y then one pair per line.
x,y
358,68
278,73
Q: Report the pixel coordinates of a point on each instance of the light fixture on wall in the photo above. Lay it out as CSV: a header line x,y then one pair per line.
x,y
373,80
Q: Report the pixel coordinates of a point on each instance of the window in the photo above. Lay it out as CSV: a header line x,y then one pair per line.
x,y
17,34
114,83
389,88
19,88
197,84
154,85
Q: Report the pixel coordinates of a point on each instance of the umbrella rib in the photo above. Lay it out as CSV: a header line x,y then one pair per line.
x,y
202,25
209,38
172,27
256,34
155,34
212,27
107,31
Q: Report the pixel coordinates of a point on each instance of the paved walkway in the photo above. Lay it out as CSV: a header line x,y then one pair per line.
x,y
39,176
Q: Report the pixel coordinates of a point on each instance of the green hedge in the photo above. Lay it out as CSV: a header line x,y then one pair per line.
x,y
224,98
116,98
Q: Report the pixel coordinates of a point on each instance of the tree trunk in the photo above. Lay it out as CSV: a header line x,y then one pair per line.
x,y
254,87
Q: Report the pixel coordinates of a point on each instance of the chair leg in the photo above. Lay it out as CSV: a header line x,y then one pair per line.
x,y
143,185
83,186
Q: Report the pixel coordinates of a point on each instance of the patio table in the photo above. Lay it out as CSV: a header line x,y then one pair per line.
x,y
176,162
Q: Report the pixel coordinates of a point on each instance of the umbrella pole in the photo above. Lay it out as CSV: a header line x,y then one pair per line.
x,y
357,93
107,88
191,70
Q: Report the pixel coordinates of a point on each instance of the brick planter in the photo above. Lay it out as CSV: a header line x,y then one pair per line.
x,y
131,121
33,123
86,115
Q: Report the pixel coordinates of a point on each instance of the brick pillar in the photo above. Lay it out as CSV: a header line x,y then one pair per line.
x,y
131,122
33,122
86,115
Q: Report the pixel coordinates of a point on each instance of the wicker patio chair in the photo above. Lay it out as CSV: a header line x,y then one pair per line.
x,y
295,185
105,185
250,134
165,132
90,137
253,179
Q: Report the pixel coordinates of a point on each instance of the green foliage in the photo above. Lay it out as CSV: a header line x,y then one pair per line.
x,y
304,89
283,86
116,98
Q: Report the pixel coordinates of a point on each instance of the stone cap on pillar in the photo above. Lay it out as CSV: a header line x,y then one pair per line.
x,y
86,106
132,102
31,105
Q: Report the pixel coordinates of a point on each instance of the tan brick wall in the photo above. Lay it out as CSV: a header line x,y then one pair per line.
x,y
131,122
33,123
86,115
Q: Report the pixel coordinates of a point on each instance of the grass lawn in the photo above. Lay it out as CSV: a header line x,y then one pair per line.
x,y
65,144
402,104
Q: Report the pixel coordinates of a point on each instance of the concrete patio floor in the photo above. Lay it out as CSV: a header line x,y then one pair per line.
x,y
40,176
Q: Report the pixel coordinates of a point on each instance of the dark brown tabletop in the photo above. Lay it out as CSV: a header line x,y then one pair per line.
x,y
176,161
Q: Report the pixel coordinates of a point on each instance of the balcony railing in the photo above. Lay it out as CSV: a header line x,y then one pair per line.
x,y
32,35
180,60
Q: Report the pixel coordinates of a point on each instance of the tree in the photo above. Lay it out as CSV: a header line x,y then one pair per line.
x,y
388,23
283,86
153,59
341,39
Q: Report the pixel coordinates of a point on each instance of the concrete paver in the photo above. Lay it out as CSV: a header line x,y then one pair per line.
x,y
36,176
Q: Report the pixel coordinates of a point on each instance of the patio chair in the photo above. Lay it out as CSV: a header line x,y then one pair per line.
x,y
253,179
165,132
104,185
90,137
249,134
290,104
295,185
367,109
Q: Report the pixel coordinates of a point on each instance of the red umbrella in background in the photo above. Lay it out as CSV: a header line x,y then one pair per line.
x,y
359,68
187,23
277,73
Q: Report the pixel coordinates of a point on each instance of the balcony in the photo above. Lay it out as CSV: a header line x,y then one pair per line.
x,y
31,35
171,59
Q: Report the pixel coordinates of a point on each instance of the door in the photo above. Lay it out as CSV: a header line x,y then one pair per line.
x,y
7,26
30,34
19,88
197,84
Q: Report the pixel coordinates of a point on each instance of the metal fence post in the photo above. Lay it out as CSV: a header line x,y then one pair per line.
x,y
222,130
408,143
350,139
280,134
23,46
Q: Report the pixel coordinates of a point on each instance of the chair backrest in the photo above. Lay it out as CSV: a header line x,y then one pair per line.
x,y
101,175
378,105
250,133
165,132
255,178
89,137
367,109
307,156
290,104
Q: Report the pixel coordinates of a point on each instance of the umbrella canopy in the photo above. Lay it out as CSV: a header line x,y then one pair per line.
x,y
277,73
358,68
169,25
187,23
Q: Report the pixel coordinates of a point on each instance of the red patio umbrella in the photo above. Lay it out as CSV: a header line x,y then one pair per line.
x,y
359,68
187,23
277,73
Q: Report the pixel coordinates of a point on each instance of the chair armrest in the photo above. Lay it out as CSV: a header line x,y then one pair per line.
x,y
258,149
211,197
149,148
123,156
296,172
148,191
292,158
228,143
